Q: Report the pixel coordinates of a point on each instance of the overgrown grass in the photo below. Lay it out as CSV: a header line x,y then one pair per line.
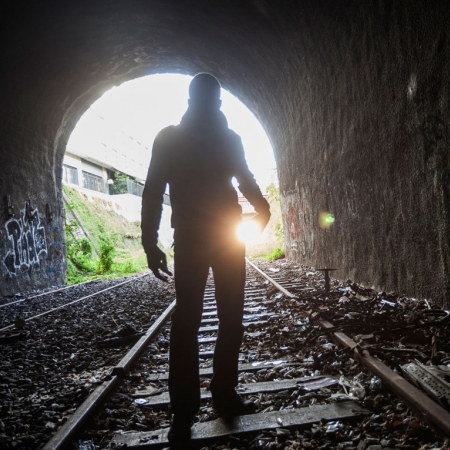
x,y
116,241
271,246
278,253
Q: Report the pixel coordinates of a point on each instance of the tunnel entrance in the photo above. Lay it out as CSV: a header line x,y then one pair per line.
x,y
105,166
354,97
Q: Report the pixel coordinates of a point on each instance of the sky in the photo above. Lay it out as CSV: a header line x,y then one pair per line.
x,y
142,107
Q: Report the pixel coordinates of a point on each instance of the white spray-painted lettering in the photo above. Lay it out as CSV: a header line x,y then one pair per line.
x,y
25,240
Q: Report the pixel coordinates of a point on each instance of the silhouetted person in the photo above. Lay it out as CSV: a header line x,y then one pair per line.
x,y
197,159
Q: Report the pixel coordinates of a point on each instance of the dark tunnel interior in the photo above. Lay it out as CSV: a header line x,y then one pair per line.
x,y
353,95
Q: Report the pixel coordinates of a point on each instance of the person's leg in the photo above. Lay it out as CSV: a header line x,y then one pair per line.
x,y
191,272
229,279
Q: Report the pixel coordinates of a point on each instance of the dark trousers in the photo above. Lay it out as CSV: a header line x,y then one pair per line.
x,y
193,259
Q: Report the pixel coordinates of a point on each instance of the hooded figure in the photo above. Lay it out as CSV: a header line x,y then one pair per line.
x,y
197,160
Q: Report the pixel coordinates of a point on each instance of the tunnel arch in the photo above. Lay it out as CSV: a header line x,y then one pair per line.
x,y
141,107
354,97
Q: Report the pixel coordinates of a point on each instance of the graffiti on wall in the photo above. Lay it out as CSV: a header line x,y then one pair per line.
x,y
293,223
22,242
297,206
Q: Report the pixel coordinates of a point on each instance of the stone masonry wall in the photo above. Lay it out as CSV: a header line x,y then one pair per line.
x,y
353,94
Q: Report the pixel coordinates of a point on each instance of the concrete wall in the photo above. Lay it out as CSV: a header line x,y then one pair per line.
x,y
353,94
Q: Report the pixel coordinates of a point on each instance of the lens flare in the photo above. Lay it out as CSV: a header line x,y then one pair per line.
x,y
326,219
248,232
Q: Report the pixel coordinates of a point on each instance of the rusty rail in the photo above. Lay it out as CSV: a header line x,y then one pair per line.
x,y
62,438
46,293
278,286
416,400
413,397
9,327
419,402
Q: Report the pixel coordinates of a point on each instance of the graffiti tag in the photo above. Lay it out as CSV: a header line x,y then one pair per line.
x,y
293,222
25,241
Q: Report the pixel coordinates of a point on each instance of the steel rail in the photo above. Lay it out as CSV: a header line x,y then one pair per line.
x,y
68,431
46,293
74,425
416,400
76,301
419,402
285,292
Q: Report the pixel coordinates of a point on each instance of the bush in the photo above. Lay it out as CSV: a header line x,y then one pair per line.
x,y
106,257
278,253
114,248
274,199
125,267
120,184
79,255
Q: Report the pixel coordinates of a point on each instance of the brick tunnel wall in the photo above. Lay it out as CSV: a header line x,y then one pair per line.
x,y
353,95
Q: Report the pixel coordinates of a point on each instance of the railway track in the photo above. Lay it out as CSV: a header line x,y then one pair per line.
x,y
23,302
279,381
51,365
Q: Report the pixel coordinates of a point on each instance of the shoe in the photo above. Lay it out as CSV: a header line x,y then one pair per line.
x,y
179,435
230,403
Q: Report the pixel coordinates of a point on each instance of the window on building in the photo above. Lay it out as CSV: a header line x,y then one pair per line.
x,y
90,167
134,188
95,183
70,174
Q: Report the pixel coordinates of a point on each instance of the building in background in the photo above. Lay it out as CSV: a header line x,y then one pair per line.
x,y
120,189
104,161
97,151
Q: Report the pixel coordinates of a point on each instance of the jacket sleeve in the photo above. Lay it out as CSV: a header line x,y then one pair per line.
x,y
246,180
153,194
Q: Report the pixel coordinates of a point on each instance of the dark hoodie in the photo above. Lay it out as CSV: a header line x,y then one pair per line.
x,y
197,159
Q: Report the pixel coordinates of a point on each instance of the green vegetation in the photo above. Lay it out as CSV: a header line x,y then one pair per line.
x,y
106,257
275,206
271,244
278,253
120,184
114,246
79,252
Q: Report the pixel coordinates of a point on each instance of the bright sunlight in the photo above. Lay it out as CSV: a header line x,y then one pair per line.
x,y
248,232
136,111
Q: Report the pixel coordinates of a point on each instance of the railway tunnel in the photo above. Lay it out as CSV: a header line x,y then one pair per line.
x,y
353,95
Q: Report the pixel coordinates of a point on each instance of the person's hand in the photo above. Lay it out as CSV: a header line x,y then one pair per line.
x,y
262,219
157,261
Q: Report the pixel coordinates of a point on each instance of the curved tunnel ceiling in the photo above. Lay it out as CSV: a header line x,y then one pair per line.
x,y
73,51
353,95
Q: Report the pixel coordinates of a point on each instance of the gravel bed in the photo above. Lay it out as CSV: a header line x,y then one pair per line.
x,y
47,375
292,335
